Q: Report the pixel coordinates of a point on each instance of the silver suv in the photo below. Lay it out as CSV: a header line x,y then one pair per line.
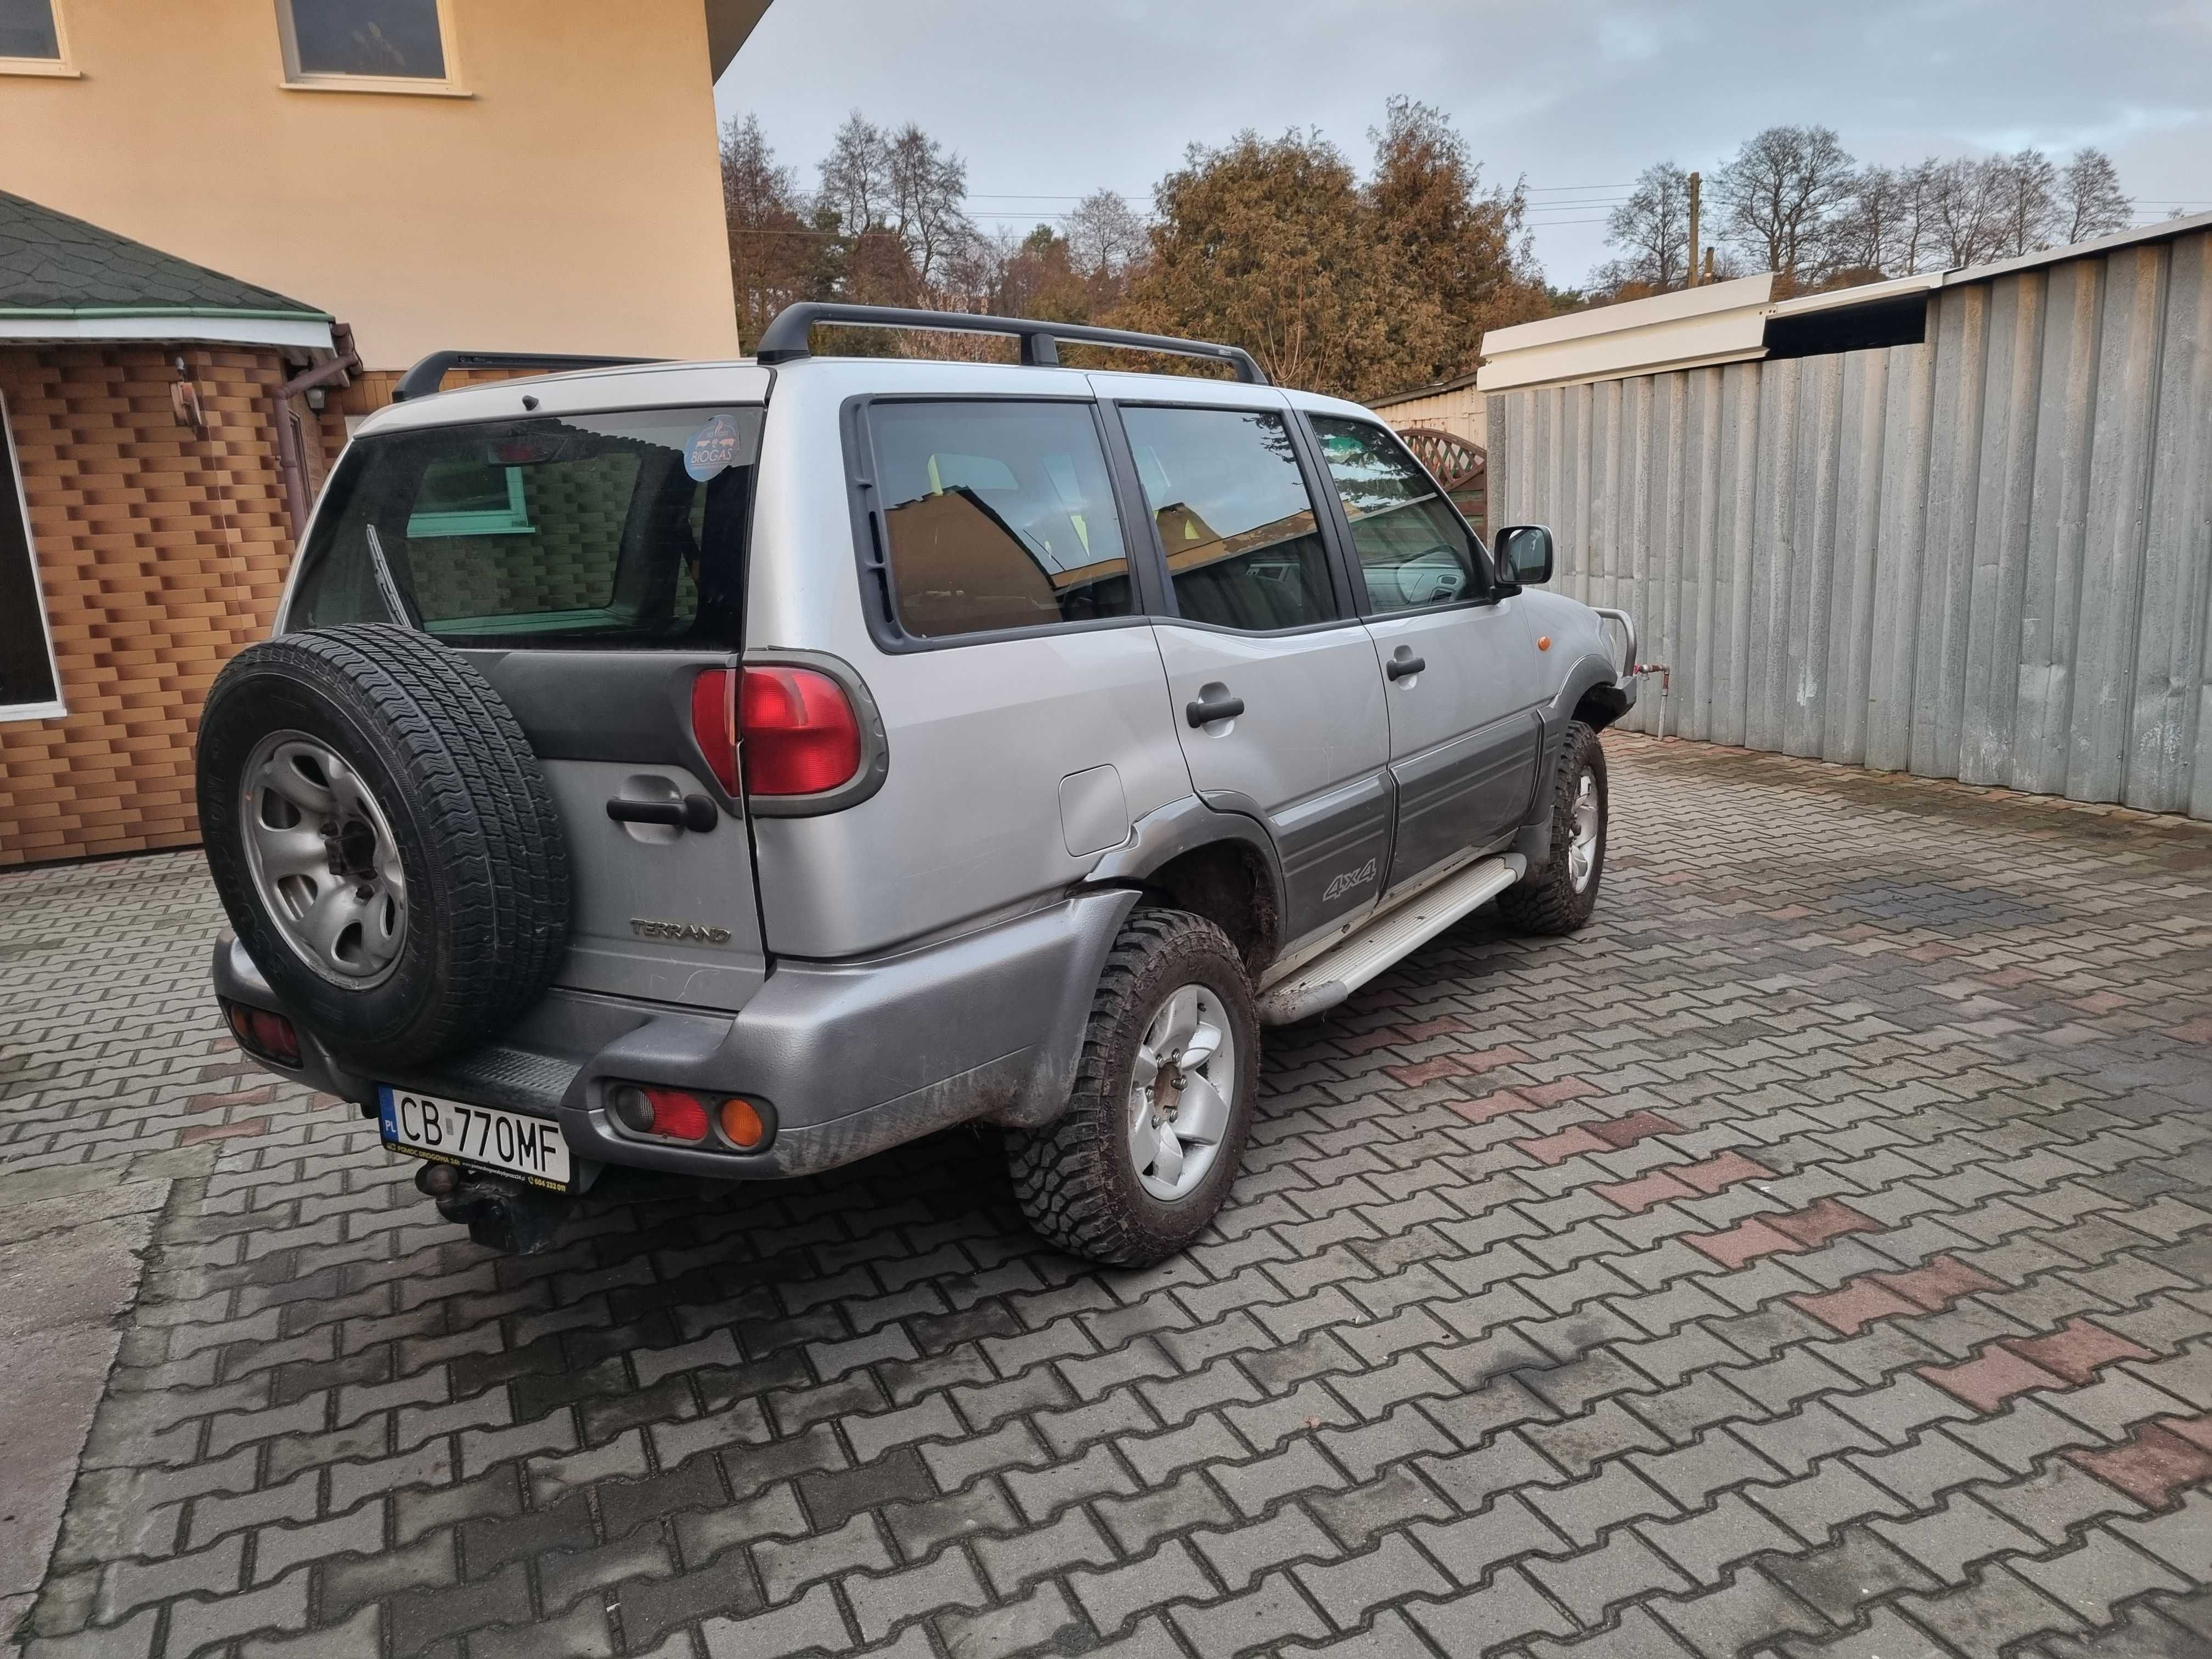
x,y
734,770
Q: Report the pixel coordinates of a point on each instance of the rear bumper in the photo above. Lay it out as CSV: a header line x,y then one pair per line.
x,y
854,1057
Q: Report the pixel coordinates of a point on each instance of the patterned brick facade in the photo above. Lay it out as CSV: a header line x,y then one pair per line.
x,y
160,553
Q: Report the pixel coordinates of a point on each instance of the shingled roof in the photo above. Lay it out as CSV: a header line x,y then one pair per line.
x,y
53,265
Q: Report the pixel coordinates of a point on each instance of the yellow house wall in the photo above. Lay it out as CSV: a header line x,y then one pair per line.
x,y
571,201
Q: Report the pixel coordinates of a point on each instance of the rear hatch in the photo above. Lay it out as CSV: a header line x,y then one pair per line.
x,y
591,565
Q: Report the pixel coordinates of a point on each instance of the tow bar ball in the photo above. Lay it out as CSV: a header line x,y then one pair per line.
x,y
717,1123
501,1213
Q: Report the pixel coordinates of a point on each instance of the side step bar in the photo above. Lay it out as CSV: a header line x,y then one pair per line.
x,y
1327,980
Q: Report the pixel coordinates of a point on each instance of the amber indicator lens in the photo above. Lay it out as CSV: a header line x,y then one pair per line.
x,y
741,1124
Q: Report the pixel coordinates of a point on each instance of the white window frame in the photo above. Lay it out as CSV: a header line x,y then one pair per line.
x,y
298,79
58,706
61,63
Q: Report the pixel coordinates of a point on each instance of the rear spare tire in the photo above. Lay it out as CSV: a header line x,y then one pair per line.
x,y
382,839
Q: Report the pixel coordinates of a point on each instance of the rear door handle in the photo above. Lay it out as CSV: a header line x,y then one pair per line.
x,y
1204,711
693,812
1398,668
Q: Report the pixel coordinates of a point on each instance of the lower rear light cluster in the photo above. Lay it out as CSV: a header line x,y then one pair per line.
x,y
262,1034
715,1122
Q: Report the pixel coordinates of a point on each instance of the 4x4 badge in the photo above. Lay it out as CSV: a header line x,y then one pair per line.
x,y
1350,879
689,932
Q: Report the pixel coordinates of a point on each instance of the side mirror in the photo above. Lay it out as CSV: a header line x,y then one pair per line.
x,y
1524,553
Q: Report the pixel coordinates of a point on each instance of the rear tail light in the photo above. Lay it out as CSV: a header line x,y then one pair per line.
x,y
714,722
665,1114
262,1034
800,734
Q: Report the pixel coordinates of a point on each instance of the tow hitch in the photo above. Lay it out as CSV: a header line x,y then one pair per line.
x,y
499,1213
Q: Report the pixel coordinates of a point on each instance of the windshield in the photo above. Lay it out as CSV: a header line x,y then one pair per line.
x,y
585,530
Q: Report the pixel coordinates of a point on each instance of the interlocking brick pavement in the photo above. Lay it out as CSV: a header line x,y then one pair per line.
x,y
1812,1257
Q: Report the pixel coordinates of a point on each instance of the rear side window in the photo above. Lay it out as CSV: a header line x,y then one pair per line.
x,y
998,515
1243,548
1415,550
606,530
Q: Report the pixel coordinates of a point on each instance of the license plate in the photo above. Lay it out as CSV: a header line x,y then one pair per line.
x,y
481,1137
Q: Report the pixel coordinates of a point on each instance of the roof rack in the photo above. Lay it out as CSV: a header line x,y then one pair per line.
x,y
428,375
784,339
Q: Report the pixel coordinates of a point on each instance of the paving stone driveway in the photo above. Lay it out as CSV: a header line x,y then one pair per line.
x,y
1811,1255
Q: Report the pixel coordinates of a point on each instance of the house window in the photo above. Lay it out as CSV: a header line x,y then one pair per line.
x,y
29,689
31,39
398,45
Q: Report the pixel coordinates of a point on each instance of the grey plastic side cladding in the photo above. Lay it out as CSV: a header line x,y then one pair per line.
x,y
1166,833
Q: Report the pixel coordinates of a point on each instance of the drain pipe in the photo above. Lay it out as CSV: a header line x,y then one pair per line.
x,y
1641,669
290,464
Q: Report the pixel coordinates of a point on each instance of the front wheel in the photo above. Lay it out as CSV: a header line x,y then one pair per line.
x,y
1165,1094
1559,897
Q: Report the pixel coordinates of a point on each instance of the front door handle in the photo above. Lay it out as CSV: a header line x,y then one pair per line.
x,y
1399,667
694,812
1204,711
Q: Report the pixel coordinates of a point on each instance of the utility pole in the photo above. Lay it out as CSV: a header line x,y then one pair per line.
x,y
1696,182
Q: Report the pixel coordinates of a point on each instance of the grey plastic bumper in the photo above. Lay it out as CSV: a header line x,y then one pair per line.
x,y
852,1057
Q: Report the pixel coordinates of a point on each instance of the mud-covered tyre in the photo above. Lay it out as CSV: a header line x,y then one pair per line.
x,y
1559,897
382,839
1171,1055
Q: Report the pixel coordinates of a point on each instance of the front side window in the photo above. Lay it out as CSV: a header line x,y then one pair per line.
x,y
609,530
1415,550
29,689
1243,545
30,31
376,40
998,515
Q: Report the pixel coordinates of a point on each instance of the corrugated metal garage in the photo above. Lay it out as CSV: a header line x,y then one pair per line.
x,y
1984,553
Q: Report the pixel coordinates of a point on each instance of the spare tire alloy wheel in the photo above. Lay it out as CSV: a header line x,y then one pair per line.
x,y
325,861
1180,1089
383,839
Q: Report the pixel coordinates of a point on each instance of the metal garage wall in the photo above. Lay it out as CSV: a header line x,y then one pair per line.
x,y
1987,557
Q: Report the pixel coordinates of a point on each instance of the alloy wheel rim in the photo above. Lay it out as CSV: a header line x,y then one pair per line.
x,y
1180,1092
1582,850
324,862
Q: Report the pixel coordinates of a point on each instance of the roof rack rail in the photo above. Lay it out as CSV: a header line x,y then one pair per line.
x,y
428,375
784,338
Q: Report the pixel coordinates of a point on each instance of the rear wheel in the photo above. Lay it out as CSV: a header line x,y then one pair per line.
x,y
1162,1103
1559,897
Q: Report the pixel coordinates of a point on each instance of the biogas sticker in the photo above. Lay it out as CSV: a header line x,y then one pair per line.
x,y
713,447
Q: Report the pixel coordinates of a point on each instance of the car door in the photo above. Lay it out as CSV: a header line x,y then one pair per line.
x,y
1453,646
1271,677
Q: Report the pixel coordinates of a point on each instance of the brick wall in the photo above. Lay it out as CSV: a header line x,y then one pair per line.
x,y
160,554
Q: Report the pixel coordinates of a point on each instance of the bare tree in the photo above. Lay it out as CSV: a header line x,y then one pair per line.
x,y
1105,236
1966,211
856,175
928,184
2025,185
1652,230
775,256
2091,203
1779,197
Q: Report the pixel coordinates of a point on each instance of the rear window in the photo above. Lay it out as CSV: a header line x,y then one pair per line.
x,y
585,530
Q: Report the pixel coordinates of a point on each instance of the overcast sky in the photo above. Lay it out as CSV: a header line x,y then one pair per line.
x,y
1048,100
